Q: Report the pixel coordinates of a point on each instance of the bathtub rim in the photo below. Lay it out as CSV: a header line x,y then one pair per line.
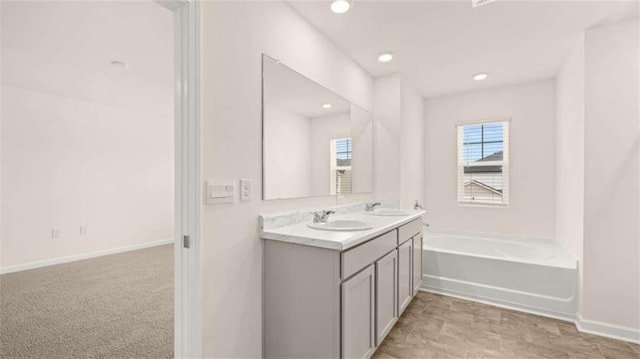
x,y
557,245
428,231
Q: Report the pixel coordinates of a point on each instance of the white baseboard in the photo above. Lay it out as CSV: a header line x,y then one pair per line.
x,y
612,331
78,257
608,330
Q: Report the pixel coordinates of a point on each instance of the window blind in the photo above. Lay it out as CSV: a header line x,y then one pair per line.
x,y
483,163
341,174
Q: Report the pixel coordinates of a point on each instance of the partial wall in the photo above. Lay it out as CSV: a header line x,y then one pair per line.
x,y
234,37
531,211
400,142
570,156
69,163
611,293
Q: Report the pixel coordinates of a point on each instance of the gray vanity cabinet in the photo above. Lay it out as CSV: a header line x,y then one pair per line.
x,y
386,294
417,263
405,275
326,303
358,315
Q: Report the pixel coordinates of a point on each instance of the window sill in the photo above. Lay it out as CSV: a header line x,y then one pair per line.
x,y
482,205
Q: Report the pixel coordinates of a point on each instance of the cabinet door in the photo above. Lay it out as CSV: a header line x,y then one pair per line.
x,y
405,274
358,315
386,294
417,263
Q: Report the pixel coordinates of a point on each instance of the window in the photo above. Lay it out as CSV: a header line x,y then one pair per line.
x,y
340,166
483,163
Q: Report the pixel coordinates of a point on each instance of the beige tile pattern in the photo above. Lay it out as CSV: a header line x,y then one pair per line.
x,y
436,326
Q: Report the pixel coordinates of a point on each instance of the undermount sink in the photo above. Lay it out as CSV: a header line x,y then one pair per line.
x,y
388,212
341,225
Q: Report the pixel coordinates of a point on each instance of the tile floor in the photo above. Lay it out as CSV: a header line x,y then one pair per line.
x,y
436,326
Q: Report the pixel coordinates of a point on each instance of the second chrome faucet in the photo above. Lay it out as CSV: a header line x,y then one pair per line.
x,y
322,216
371,206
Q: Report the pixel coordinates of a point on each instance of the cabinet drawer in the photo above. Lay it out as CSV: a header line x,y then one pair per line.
x,y
409,230
361,256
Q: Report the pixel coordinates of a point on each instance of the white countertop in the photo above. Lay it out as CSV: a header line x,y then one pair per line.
x,y
300,233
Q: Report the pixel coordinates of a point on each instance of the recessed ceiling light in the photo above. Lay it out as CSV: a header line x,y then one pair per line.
x,y
480,76
120,64
340,6
385,57
326,105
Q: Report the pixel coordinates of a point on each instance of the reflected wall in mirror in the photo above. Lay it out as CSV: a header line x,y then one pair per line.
x,y
315,143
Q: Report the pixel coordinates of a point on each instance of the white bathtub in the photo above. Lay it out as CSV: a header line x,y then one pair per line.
x,y
533,275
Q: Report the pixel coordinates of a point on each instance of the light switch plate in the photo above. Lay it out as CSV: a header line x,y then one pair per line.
x,y
245,189
220,192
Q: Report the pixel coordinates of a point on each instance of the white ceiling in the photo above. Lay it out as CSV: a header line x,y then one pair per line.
x,y
66,48
438,45
288,90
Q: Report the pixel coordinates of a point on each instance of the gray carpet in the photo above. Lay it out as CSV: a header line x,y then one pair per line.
x,y
117,306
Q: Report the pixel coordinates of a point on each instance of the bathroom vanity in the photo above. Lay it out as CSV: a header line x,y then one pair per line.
x,y
337,294
333,288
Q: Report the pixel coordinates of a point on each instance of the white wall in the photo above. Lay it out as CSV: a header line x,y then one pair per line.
x,y
570,155
288,165
412,147
611,190
1,131
68,163
362,132
84,142
387,113
232,251
570,151
323,130
400,141
531,211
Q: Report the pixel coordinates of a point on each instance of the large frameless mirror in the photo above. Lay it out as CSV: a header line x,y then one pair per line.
x,y
315,143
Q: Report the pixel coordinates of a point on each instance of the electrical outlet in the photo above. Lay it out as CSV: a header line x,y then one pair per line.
x,y
84,230
55,233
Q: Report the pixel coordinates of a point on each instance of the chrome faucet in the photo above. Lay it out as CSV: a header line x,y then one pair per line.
x,y
322,216
417,205
371,206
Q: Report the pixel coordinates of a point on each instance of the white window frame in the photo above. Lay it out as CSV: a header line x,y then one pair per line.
x,y
504,163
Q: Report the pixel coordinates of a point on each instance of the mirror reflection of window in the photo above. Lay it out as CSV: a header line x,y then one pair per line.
x,y
341,174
